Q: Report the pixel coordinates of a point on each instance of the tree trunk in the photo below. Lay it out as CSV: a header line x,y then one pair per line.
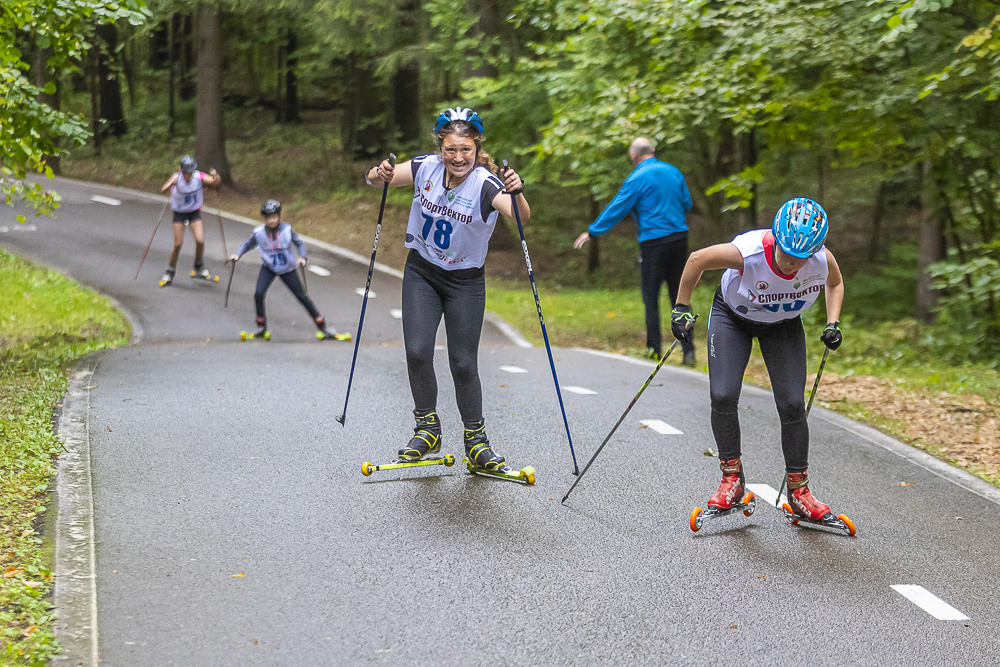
x,y
932,246
171,56
279,98
183,37
210,140
489,26
877,216
594,251
112,112
361,101
406,102
95,99
750,160
292,79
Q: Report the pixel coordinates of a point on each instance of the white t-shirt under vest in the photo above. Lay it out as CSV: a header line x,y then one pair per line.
x,y
760,293
446,226
187,196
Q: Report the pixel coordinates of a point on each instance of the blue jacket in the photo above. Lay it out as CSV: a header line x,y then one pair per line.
x,y
657,197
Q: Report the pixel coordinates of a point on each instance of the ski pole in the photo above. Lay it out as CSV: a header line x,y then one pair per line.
x,y
627,410
812,395
541,321
150,244
364,302
302,270
229,285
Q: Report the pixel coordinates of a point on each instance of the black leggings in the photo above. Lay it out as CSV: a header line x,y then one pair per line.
x,y
783,346
663,259
428,293
291,279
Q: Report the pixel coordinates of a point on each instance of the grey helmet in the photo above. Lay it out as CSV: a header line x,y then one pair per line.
x,y
188,164
270,207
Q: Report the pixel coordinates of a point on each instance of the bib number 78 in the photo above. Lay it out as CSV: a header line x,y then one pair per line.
x,y
442,234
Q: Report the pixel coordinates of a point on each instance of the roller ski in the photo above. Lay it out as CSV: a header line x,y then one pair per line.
x,y
480,458
261,334
201,273
426,441
329,333
803,508
732,488
168,277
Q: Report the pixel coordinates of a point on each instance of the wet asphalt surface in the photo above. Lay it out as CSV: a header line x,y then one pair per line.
x,y
213,458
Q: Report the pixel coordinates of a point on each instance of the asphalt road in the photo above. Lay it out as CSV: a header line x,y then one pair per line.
x,y
213,458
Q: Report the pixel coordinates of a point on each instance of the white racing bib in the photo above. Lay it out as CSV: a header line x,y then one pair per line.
x,y
187,196
760,293
446,226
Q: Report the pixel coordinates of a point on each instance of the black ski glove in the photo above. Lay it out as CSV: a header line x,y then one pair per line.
x,y
832,337
679,319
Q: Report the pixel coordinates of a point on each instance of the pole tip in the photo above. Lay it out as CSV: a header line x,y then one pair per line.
x,y
576,470
341,419
565,498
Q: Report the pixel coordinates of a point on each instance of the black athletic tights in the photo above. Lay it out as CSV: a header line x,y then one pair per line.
x,y
291,279
428,293
783,346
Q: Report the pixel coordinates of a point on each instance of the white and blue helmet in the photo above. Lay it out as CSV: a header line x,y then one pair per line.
x,y
800,227
458,113
188,164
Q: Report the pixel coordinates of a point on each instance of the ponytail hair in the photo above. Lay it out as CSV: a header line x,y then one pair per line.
x,y
463,128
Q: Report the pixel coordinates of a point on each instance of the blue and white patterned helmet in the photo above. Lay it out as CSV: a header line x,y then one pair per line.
x,y
188,164
458,113
800,227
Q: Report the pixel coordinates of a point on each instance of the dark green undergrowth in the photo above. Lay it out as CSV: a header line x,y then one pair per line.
x,y
47,321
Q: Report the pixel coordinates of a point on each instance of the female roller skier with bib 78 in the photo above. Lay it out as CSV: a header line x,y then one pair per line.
x,y
456,199
771,277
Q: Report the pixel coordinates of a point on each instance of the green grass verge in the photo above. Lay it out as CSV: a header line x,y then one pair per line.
x,y
47,320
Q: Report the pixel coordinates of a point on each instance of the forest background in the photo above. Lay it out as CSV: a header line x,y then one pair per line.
x,y
884,111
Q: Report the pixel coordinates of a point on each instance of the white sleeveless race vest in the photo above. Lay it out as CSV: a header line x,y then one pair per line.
x,y
759,293
186,197
446,226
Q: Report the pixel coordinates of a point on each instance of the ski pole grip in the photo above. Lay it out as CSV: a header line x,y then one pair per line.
x,y
392,159
690,325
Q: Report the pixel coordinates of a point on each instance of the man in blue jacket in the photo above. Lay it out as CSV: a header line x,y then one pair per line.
x,y
657,197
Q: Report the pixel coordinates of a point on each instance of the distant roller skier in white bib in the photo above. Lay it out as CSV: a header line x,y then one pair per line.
x,y
771,277
187,196
456,199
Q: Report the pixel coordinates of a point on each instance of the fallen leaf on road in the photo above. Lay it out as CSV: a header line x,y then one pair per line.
x,y
643,425
907,484
91,386
957,518
254,641
241,574
11,572
109,430
710,452
732,627
763,576
503,385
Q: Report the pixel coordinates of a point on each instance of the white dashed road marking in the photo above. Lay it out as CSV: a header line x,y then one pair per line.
x,y
929,602
661,427
106,200
767,493
318,270
397,313
580,390
17,228
360,291
513,369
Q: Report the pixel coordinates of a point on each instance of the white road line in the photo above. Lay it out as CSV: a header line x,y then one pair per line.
x,y
660,427
929,602
767,493
513,369
18,228
580,390
360,291
440,347
318,270
106,200
397,313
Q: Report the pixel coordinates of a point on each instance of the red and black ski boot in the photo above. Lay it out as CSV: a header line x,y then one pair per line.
x,y
731,496
803,507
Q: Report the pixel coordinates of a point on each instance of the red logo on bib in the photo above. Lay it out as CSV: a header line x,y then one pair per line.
x,y
761,286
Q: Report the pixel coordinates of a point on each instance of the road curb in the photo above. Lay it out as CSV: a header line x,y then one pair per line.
x,y
75,567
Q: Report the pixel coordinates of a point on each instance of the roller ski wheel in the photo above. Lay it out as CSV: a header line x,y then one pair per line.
x,y
525,475
204,275
447,461
841,523
747,505
329,335
244,336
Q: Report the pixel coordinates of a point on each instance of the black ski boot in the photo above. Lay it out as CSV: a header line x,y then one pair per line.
x,y
478,452
168,277
426,436
201,272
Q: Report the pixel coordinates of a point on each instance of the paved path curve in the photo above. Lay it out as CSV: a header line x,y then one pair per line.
x,y
212,458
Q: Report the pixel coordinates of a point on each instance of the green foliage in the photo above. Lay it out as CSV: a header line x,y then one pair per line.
x,y
968,326
30,130
47,321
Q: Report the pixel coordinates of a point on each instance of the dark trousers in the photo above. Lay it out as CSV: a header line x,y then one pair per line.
x,y
291,280
663,259
430,292
783,346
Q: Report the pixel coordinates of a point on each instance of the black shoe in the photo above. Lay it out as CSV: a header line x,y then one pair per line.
x,y
689,358
478,451
426,436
